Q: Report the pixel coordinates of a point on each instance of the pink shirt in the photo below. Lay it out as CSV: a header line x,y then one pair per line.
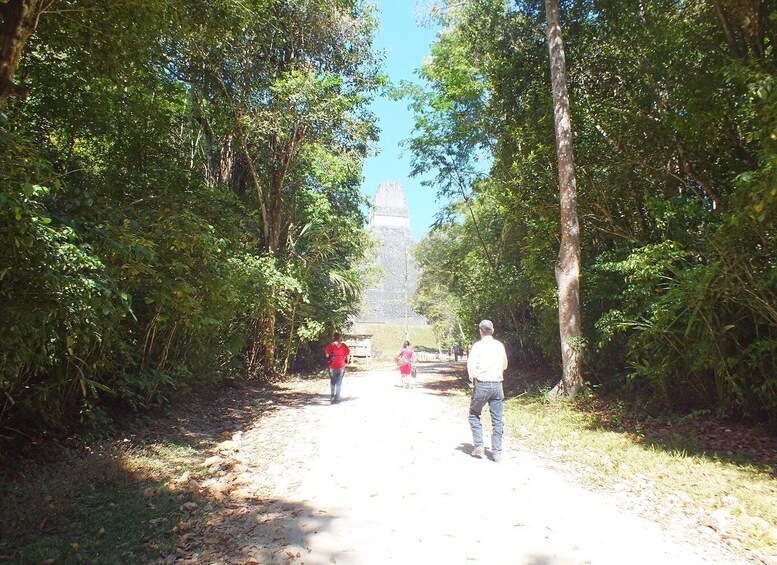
x,y
407,352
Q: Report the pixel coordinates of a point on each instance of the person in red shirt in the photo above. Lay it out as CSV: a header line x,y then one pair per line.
x,y
336,353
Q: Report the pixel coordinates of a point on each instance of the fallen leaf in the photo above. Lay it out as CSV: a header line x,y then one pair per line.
x,y
183,526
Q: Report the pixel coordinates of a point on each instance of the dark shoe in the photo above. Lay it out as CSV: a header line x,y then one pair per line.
x,y
478,452
497,456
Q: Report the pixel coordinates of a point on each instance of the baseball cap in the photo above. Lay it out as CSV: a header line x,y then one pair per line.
x,y
486,325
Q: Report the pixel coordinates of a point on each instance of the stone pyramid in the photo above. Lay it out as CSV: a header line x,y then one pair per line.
x,y
390,301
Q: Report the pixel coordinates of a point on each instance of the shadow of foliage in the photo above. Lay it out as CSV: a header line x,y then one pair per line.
x,y
702,435
115,503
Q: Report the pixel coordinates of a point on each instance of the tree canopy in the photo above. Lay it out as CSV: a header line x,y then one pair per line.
x,y
675,112
180,203
182,176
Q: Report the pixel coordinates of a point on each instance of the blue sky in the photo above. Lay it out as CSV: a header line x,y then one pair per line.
x,y
405,44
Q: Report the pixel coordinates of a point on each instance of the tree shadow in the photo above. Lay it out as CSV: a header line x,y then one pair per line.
x,y
204,422
700,435
525,378
101,508
258,530
443,379
450,378
129,498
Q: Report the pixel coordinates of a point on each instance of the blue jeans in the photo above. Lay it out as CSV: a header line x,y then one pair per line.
x,y
490,393
335,382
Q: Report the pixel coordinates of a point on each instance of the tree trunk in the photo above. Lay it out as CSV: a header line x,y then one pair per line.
x,y
212,177
292,329
568,265
260,351
20,18
276,210
725,22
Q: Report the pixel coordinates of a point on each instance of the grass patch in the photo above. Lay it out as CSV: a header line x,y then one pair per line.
x,y
114,505
387,339
143,495
671,475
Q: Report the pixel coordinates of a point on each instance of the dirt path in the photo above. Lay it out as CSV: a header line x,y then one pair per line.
x,y
385,476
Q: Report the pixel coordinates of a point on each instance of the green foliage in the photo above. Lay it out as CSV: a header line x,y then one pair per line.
x,y
132,207
675,114
59,304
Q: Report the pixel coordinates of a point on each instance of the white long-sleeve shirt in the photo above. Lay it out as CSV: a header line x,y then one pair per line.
x,y
487,360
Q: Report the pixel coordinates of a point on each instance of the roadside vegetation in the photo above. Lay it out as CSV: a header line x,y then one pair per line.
x,y
143,494
111,504
180,198
674,109
696,475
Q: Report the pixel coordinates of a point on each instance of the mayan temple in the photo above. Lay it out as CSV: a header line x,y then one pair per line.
x,y
390,302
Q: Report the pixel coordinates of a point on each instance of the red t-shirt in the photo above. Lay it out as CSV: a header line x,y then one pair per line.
x,y
341,353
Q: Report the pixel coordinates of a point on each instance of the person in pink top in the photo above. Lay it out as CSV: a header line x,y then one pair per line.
x,y
405,360
336,354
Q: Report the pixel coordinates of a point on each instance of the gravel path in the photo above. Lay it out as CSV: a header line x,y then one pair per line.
x,y
385,476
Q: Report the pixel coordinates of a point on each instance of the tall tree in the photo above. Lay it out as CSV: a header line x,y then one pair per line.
x,y
675,106
138,259
568,265
298,77
20,18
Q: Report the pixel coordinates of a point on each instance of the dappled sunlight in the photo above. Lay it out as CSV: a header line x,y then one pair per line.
x,y
248,530
698,435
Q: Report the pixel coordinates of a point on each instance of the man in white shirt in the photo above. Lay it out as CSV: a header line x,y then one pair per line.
x,y
486,364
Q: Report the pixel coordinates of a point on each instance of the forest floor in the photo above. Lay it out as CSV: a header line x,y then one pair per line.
x,y
384,476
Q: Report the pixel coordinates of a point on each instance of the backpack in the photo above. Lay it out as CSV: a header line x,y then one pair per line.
x,y
401,360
